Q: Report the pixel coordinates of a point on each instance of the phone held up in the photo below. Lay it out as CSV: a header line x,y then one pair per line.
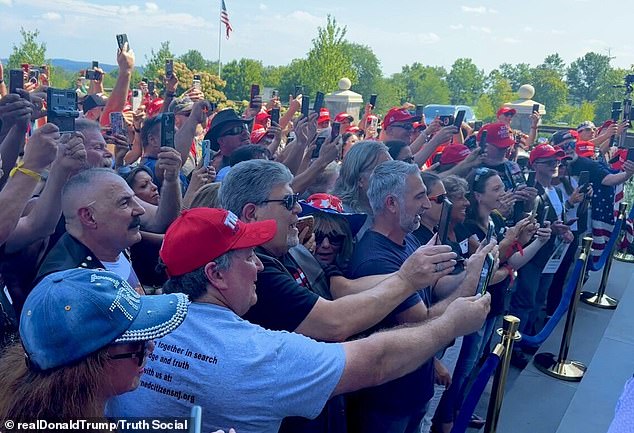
x,y
255,92
485,274
62,108
121,40
306,221
443,225
117,124
167,129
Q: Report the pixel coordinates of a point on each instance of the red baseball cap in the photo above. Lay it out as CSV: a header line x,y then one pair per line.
x,y
498,135
546,151
454,154
506,110
154,107
257,134
585,149
353,129
324,115
201,235
343,116
396,115
262,117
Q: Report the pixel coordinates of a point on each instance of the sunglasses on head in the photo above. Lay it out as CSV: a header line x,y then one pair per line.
x,y
139,354
440,198
289,201
236,130
334,239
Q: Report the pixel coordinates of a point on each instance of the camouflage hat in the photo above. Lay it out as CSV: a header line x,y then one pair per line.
x,y
181,105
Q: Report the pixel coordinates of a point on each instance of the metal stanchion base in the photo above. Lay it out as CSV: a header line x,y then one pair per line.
x,y
623,256
571,371
603,301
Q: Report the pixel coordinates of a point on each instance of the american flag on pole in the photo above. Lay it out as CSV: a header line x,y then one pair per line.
x,y
224,18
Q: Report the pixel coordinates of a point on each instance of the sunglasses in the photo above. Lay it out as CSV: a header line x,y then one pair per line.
x,y
550,163
336,240
440,198
405,126
568,145
509,114
289,201
139,354
236,130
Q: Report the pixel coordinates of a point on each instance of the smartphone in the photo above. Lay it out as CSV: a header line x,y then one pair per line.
x,y
419,110
477,125
34,75
320,140
584,178
490,230
446,120
630,154
144,79
206,150
483,141
167,130
117,123
544,218
485,274
535,108
196,419
136,99
121,40
459,119
299,90
275,116
616,110
319,102
305,105
373,100
169,68
275,94
571,221
443,224
61,108
151,86
92,75
306,221
531,179
334,130
255,91
196,82
95,64
471,142
16,80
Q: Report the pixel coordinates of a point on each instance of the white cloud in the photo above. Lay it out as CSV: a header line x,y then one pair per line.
x,y
427,38
51,16
305,17
456,26
596,42
474,10
6,2
511,40
486,30
263,7
528,29
151,7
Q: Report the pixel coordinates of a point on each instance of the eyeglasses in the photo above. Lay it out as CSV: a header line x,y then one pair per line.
x,y
549,163
405,126
440,198
335,239
509,114
236,130
139,355
289,201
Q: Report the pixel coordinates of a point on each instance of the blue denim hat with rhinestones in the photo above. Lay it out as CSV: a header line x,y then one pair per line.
x,y
74,313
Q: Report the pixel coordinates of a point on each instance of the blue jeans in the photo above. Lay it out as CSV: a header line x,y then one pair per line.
x,y
530,296
473,346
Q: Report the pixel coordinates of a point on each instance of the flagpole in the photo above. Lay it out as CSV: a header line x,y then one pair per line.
x,y
219,36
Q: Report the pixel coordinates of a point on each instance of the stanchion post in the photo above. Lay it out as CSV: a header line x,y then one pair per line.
x,y
504,349
600,299
561,367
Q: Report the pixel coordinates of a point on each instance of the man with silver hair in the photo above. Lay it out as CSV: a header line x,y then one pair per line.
x,y
398,198
258,190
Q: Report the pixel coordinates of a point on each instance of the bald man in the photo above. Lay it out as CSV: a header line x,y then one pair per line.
x,y
103,219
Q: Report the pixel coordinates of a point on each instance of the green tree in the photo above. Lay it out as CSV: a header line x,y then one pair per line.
x,y
366,66
272,77
411,83
326,62
499,91
195,61
30,50
518,74
484,108
157,59
554,63
240,75
586,75
606,93
465,82
388,95
550,90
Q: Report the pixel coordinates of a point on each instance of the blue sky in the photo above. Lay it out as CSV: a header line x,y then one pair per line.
x,y
277,31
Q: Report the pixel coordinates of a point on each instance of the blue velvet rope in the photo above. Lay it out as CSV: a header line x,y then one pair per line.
x,y
597,265
566,297
462,421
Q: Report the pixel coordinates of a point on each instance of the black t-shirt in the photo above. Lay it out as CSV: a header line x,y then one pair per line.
x,y
375,254
499,290
423,234
284,300
603,195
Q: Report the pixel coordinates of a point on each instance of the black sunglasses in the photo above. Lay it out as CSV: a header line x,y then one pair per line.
x,y
406,126
289,201
236,130
139,354
333,238
440,198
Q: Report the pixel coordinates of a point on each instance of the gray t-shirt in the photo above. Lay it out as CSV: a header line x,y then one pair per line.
x,y
242,375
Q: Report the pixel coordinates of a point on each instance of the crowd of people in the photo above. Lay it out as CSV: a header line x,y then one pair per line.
x,y
278,283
